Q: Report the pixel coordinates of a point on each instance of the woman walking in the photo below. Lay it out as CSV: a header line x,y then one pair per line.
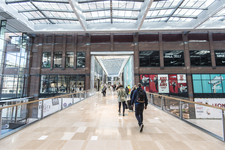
x,y
121,98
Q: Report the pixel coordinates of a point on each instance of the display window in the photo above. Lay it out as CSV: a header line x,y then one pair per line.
x,y
173,58
208,83
200,58
46,60
69,59
57,59
220,57
149,58
80,59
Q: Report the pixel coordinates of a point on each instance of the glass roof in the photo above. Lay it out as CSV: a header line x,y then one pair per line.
x,y
113,11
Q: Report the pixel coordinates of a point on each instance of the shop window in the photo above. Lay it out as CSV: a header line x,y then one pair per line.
x,y
173,58
80,59
200,58
9,86
149,58
58,84
12,60
46,60
15,40
57,59
69,59
220,57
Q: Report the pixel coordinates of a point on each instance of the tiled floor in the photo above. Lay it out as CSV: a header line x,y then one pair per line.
x,y
94,124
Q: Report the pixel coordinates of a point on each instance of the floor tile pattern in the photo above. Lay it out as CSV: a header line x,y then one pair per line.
x,y
94,124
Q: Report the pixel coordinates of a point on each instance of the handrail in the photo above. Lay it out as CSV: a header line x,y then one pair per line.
x,y
187,101
42,99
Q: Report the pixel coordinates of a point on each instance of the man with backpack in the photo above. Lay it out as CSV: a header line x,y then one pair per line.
x,y
140,100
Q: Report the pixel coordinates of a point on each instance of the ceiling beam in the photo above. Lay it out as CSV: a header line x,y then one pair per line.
x,y
172,16
76,9
90,1
68,19
113,17
44,1
111,11
213,9
165,8
179,4
51,10
144,11
41,13
113,8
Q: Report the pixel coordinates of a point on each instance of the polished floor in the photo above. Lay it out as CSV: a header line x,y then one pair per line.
x,y
94,124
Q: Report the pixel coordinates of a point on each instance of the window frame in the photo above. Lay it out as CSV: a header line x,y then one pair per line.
x,y
164,51
73,59
149,59
47,58
200,59
54,59
84,59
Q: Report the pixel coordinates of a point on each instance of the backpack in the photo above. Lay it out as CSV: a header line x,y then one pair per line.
x,y
122,96
141,96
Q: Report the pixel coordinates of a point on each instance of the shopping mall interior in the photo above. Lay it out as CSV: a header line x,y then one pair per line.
x,y
57,56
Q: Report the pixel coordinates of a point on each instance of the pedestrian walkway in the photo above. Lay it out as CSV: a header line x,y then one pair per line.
x,y
94,124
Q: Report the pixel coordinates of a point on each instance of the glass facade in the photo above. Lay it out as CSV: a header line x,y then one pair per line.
x,y
57,59
200,58
173,58
80,59
149,58
46,60
2,37
69,59
61,83
12,60
220,57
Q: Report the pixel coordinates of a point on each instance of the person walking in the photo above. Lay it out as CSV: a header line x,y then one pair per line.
x,y
140,100
121,98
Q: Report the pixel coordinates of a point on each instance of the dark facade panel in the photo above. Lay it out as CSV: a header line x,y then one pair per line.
x,y
198,36
219,45
173,45
218,36
148,46
69,39
48,39
100,39
81,39
171,37
123,38
81,47
148,38
58,39
198,45
100,47
123,47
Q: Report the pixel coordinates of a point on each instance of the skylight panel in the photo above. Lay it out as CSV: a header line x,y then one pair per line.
x,y
154,5
122,4
160,4
168,4
175,3
198,4
88,14
163,19
55,6
27,6
197,12
189,12
94,14
128,13
222,12
149,14
190,3
63,7
207,3
130,5
169,11
28,15
92,5
99,5
155,13
101,13
137,5
115,4
84,6
36,22
17,6
162,12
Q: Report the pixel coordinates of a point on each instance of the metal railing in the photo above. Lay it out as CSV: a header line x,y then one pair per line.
x,y
208,118
17,116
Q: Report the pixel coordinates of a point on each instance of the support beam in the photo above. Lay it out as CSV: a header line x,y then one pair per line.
x,y
109,17
76,9
41,13
43,1
169,16
68,19
213,9
91,1
145,8
51,10
111,11
113,8
179,4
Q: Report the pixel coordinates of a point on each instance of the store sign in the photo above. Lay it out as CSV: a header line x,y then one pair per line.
x,y
203,112
163,83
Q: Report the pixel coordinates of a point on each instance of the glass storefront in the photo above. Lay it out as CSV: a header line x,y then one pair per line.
x,y
61,83
69,59
80,59
173,58
200,58
149,58
46,60
220,57
57,59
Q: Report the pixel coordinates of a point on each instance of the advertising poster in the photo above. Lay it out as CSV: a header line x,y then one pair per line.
x,y
216,83
153,83
208,112
173,83
163,83
50,106
182,83
144,80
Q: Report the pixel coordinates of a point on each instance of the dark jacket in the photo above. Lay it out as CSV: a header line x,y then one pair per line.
x,y
131,94
127,90
134,98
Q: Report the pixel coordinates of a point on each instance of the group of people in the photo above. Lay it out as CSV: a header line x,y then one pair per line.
x,y
138,98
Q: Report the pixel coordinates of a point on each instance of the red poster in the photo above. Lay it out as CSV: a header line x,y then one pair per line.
x,y
173,83
153,83
144,80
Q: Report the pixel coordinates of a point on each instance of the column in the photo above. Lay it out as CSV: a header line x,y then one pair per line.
x,y
136,59
213,60
161,51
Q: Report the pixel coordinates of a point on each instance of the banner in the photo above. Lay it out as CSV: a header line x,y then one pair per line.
x,y
153,78
144,80
182,83
208,112
163,83
173,83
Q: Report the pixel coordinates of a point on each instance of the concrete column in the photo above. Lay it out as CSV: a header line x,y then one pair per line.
x,y
87,63
92,71
52,50
64,52
188,66
111,42
75,51
211,46
161,51
136,59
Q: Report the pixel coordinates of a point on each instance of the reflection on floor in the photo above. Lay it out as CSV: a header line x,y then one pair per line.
x,y
94,124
